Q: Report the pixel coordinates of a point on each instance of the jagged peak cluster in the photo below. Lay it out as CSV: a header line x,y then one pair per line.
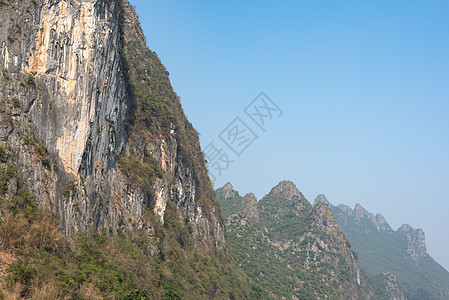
x,y
415,237
360,213
285,230
285,198
401,252
285,195
286,191
378,220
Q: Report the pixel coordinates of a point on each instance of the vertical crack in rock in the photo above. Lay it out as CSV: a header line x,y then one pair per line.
x,y
69,79
76,53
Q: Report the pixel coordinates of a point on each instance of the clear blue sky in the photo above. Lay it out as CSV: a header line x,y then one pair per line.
x,y
364,89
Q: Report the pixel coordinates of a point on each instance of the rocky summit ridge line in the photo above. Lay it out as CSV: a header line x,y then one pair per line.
x,y
289,248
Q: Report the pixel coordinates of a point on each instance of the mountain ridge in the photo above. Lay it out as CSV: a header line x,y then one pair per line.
x,y
401,253
293,249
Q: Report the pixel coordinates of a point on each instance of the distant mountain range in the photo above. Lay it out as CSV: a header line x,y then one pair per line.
x,y
402,252
291,249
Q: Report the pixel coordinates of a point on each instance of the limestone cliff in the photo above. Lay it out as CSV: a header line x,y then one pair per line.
x,y
95,137
387,287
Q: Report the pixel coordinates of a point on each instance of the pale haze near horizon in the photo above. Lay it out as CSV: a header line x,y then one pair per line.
x,y
363,86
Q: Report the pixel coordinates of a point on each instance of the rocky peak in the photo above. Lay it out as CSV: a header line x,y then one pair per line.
x,y
322,209
360,212
405,229
322,217
345,209
230,200
248,208
320,198
377,221
290,238
416,241
228,190
383,224
283,199
342,213
76,81
286,190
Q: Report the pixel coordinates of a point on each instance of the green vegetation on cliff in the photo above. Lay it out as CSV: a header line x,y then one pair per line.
x,y
155,111
95,265
181,256
381,249
287,247
140,173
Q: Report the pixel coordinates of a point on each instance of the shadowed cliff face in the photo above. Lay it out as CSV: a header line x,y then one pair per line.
x,y
70,111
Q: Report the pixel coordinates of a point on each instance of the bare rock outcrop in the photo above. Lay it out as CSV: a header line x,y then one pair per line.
x,y
69,112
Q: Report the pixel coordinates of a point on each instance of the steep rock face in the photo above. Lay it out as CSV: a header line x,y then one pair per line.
x,y
161,130
248,208
290,249
320,198
227,191
416,241
65,101
77,56
284,198
68,116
